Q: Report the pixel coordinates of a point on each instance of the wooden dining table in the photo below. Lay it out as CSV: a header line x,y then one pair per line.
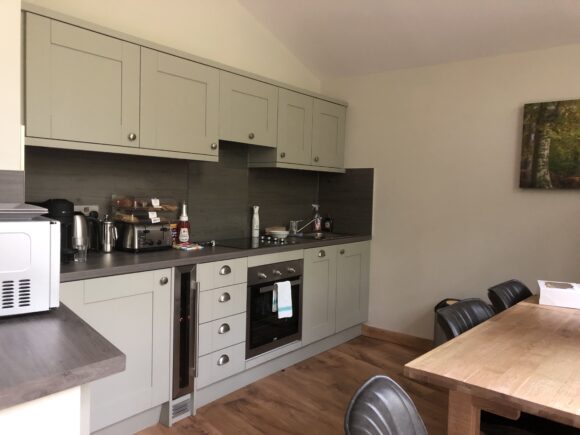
x,y
524,359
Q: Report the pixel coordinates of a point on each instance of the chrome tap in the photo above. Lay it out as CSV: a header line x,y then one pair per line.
x,y
294,230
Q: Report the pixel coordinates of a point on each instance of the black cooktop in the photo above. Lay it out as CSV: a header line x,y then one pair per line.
x,y
249,243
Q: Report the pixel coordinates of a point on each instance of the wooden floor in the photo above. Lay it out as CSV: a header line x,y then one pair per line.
x,y
311,397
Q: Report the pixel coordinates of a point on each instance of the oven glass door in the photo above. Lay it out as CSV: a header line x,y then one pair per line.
x,y
265,330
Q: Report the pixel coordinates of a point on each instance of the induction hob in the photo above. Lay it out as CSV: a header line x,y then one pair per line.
x,y
256,243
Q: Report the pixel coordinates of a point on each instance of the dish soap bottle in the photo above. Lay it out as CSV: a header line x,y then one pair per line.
x,y
183,226
256,222
317,223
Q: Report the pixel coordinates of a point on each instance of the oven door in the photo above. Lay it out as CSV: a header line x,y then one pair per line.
x,y
265,331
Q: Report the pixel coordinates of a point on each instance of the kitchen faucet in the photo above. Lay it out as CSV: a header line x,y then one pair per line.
x,y
294,230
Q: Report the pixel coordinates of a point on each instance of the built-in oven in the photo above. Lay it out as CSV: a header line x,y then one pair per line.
x,y
266,328
184,331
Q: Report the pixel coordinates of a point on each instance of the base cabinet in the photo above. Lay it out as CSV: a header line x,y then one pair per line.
x,y
336,289
133,312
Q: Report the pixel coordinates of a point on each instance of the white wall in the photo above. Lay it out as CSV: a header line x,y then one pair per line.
x,y
220,30
10,150
449,219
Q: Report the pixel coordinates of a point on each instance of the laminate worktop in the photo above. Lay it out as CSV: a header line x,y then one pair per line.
x,y
118,263
44,353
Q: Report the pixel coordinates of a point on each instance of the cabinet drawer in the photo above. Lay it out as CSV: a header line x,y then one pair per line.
x,y
222,333
221,364
222,273
222,302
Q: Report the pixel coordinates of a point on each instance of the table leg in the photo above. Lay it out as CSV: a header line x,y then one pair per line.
x,y
463,417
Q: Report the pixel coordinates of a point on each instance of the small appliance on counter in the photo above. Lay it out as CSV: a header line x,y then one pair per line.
x,y
142,237
30,248
63,211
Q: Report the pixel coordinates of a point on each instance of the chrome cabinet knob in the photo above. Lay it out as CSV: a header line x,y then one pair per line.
x,y
224,359
316,159
262,275
224,297
132,137
282,155
251,136
224,328
321,253
164,280
214,146
225,270
342,251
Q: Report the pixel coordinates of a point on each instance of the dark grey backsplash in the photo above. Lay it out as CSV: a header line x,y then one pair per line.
x,y
11,186
219,195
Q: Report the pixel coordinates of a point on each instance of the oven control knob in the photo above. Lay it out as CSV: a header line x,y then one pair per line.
x,y
291,270
262,275
276,272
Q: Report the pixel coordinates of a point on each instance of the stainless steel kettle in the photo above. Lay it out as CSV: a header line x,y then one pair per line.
x,y
108,234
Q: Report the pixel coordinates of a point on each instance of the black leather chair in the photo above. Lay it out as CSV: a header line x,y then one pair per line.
x,y
381,407
507,294
460,317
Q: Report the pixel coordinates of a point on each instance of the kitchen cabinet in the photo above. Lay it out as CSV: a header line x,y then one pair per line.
x,y
81,86
352,284
294,127
336,289
319,294
248,110
179,104
328,129
133,312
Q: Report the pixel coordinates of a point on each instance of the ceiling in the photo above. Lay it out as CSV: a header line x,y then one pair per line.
x,y
350,37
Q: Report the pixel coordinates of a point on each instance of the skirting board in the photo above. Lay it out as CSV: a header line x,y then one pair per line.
x,y
398,338
222,388
133,424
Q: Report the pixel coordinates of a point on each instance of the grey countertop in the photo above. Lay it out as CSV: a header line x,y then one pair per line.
x,y
44,353
117,262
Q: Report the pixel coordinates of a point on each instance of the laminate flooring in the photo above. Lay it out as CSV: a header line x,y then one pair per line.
x,y
311,397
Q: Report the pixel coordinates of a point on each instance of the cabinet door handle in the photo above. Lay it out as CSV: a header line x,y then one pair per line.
x,y
282,155
224,359
321,253
251,136
214,146
316,158
224,297
224,328
342,251
132,137
164,280
225,270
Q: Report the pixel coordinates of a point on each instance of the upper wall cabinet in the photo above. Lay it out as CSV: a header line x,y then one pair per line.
x,y
294,127
248,110
80,86
179,104
328,134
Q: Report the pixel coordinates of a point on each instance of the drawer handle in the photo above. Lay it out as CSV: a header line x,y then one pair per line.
x,y
251,136
342,251
224,328
224,359
321,253
225,270
224,297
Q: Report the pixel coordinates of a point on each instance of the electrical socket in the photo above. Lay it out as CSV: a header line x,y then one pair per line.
x,y
86,209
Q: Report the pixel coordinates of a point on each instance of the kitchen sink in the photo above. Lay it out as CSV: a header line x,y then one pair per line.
x,y
319,236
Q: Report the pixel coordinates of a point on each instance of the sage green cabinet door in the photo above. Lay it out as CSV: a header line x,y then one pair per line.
x,y
81,86
294,127
179,104
352,287
133,312
248,110
328,134
319,294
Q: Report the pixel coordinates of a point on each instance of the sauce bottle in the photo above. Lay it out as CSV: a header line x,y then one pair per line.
x,y
183,226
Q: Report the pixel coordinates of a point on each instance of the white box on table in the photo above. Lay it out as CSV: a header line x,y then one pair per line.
x,y
560,294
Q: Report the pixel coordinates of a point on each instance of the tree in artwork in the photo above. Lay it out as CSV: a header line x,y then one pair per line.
x,y
551,145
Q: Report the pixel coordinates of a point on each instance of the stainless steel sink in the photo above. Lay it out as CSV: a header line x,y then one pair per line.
x,y
319,236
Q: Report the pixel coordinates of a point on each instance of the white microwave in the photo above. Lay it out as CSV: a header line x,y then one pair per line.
x,y
29,265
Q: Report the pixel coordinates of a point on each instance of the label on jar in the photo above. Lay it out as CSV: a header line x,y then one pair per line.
x,y
184,235
155,202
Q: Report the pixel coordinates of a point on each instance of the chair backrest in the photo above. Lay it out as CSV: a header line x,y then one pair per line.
x,y
462,316
507,294
381,407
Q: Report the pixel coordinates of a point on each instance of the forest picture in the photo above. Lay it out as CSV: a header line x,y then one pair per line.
x,y
551,145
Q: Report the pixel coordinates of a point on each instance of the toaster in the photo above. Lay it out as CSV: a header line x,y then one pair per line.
x,y
29,265
137,237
